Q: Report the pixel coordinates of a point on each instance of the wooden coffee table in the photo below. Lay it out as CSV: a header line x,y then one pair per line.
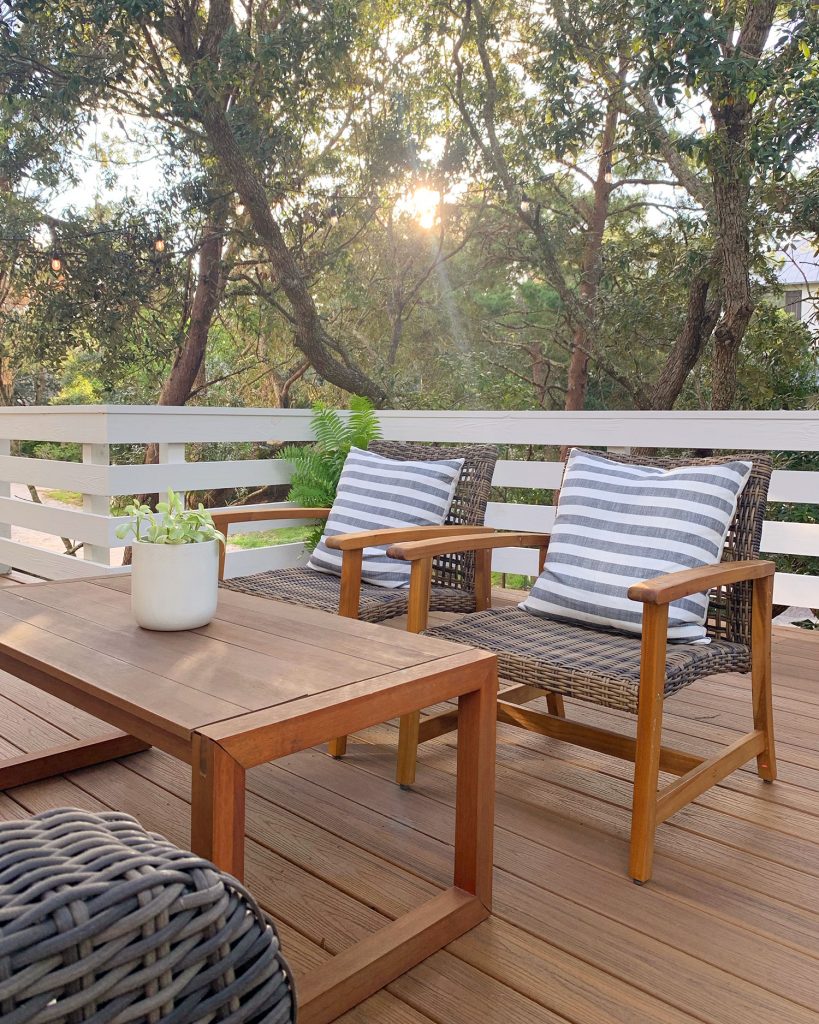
x,y
263,680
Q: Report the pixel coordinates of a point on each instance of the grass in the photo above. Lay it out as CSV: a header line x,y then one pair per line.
x,y
512,581
265,538
66,497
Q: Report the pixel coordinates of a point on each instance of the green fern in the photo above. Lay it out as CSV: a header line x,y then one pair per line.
x,y
317,467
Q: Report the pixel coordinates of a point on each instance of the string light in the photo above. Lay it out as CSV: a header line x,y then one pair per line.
x,y
526,206
159,243
56,262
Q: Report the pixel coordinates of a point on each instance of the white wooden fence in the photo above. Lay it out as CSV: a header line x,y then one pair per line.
x,y
98,479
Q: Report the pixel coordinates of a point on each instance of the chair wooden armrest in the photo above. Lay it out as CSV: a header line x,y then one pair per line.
x,y
421,553
674,585
415,550
223,520
399,534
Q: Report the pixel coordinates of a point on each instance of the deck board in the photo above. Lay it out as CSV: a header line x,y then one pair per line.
x,y
727,932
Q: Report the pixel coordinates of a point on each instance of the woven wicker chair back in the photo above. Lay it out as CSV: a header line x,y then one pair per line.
x,y
729,614
456,571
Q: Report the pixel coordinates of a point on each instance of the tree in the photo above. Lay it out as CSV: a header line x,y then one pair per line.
x,y
757,79
222,78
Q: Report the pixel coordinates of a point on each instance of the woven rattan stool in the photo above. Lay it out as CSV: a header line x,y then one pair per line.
x,y
101,921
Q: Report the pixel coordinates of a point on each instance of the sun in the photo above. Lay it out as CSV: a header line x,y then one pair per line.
x,y
423,204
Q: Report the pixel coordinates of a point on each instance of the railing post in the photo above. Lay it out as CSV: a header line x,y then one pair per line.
x,y
5,492
170,454
97,504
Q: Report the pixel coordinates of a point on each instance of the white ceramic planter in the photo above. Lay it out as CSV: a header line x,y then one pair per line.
x,y
174,586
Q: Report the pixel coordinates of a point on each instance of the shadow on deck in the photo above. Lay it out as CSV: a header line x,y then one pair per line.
x,y
728,931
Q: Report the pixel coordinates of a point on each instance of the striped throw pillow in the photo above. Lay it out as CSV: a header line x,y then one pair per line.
x,y
375,493
618,524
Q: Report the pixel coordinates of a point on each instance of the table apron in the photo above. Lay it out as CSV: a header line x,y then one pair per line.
x,y
289,728
149,732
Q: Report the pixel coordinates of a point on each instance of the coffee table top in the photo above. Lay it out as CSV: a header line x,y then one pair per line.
x,y
256,654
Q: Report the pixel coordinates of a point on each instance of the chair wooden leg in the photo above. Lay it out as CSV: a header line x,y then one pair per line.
x,y
417,619
407,749
554,702
337,747
761,675
348,607
649,739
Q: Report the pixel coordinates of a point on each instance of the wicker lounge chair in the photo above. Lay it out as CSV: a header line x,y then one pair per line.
x,y
635,674
103,921
453,576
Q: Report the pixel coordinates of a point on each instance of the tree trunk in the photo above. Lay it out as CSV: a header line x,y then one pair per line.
x,y
582,341
731,170
325,354
210,284
732,196
701,315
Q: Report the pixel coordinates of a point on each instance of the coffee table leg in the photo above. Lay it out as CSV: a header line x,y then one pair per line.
x,y
326,992
218,807
475,793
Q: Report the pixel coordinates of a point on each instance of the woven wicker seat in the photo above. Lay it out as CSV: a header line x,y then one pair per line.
x,y
101,921
453,576
575,661
634,674
320,590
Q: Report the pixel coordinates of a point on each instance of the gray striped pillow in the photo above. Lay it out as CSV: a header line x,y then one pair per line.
x,y
618,524
375,493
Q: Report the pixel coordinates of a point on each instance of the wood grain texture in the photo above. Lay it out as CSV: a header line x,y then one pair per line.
x,y
674,585
280,724
728,930
649,742
68,757
398,534
380,958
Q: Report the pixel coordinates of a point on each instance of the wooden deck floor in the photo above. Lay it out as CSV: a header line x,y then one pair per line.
x,y
727,933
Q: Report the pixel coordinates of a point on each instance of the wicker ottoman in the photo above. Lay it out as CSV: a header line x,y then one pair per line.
x,y
105,923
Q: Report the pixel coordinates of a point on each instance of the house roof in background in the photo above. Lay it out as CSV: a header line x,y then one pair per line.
x,y
798,263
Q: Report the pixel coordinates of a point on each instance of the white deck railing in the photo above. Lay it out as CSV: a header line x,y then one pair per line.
x,y
97,428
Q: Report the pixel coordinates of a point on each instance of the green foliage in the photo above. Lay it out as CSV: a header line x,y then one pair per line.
x,y
172,523
271,538
317,467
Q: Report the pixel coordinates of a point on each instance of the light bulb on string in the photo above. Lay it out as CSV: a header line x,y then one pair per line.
x,y
608,177
56,262
159,244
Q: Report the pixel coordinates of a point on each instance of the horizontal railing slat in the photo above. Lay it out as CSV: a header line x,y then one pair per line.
x,y
520,473
776,430
790,539
252,560
786,485
62,522
65,476
49,564
513,516
198,476
794,486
